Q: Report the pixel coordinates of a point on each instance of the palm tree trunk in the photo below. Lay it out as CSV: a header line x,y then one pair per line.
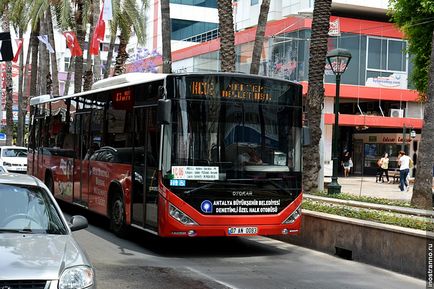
x,y
34,66
88,75
122,56
9,85
54,67
315,98
166,36
81,33
423,185
110,55
259,38
227,37
21,116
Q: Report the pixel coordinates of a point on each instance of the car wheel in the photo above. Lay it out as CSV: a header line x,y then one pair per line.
x,y
117,216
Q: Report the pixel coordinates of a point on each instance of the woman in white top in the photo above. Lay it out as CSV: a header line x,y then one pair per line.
x,y
404,168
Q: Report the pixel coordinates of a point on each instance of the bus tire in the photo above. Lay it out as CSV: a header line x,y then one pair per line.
x,y
117,215
49,182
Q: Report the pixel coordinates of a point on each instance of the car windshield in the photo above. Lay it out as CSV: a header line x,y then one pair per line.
x,y
28,209
14,152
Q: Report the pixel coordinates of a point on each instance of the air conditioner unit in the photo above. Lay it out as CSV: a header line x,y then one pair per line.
x,y
395,112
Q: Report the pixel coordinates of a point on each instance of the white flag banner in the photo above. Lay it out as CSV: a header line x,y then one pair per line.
x,y
44,39
335,29
107,10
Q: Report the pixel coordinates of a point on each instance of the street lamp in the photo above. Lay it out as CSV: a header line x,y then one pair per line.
x,y
338,60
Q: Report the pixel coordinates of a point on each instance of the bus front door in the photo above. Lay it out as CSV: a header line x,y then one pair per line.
x,y
145,187
81,163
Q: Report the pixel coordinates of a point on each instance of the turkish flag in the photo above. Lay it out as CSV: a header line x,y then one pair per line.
x,y
72,42
98,34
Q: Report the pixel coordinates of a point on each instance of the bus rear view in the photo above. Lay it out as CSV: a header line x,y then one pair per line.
x,y
231,157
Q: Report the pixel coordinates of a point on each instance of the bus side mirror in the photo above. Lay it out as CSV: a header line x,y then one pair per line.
x,y
164,111
306,136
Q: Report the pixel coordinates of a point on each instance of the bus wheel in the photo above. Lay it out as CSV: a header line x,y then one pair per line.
x,y
49,182
117,216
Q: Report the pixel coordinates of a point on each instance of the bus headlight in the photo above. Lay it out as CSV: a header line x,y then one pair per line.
x,y
179,215
76,277
294,216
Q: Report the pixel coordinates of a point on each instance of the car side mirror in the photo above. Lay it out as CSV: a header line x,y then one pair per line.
x,y
78,223
164,111
306,136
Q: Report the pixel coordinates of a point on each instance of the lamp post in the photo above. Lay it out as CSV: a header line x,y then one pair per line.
x,y
338,60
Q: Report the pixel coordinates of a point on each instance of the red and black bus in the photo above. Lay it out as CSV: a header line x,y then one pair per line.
x,y
172,154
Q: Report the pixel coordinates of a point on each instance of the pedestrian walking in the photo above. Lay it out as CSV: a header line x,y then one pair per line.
x,y
404,169
347,163
384,168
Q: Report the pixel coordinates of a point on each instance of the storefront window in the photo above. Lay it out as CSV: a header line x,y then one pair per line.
x,y
374,151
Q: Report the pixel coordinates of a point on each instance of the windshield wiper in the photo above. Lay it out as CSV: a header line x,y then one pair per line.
x,y
21,231
199,188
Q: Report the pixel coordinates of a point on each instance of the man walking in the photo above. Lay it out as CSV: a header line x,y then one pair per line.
x,y
404,168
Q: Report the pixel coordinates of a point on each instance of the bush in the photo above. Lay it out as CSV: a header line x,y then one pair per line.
x,y
370,215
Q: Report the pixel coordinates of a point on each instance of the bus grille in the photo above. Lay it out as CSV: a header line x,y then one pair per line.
x,y
26,284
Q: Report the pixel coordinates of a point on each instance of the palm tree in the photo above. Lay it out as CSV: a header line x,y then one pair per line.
x,y
166,36
315,94
19,19
227,36
110,52
34,59
129,17
259,38
422,192
88,74
81,35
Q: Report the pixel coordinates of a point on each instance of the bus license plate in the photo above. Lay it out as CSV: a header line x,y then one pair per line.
x,y
242,230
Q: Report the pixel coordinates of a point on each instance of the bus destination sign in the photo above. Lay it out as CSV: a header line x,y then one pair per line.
x,y
242,91
123,99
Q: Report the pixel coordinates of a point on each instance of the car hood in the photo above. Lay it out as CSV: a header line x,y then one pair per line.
x,y
15,160
37,257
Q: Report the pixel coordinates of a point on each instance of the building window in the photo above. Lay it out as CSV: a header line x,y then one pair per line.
x,y
386,62
253,2
67,60
200,3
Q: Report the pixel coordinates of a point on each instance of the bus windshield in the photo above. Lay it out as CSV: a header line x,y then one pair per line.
x,y
234,140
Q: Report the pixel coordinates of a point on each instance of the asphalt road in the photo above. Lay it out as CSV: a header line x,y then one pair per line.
x,y
145,261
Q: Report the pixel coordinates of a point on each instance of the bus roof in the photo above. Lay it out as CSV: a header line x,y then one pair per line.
x,y
132,78
105,84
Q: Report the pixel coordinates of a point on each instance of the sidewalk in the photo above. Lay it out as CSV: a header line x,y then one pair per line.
x,y
366,186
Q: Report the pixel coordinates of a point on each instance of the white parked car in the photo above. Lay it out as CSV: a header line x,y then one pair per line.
x,y
14,158
37,248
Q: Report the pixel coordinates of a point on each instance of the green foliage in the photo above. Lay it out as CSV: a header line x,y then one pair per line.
x,y
416,20
370,215
365,199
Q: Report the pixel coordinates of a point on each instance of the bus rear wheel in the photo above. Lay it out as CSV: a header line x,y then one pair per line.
x,y
117,216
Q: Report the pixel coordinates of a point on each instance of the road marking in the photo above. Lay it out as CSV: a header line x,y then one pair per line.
x,y
211,278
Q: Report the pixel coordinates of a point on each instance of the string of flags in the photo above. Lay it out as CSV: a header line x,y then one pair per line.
x,y
72,43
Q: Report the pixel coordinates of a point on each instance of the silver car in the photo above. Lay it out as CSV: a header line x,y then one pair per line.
x,y
37,249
